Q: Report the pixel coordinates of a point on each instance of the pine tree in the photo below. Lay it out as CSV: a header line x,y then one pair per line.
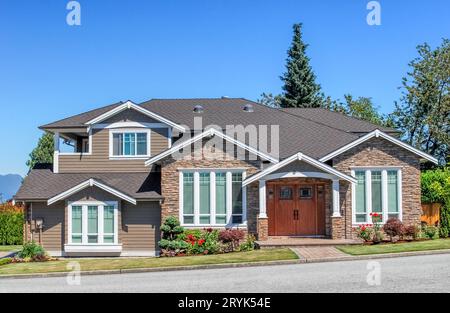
x,y
300,88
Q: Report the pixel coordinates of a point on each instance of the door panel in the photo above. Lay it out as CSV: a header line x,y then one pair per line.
x,y
296,209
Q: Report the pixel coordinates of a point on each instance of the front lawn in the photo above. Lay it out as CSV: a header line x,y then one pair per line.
x,y
437,244
10,248
129,263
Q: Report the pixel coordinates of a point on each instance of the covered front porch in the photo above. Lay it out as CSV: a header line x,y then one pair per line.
x,y
299,202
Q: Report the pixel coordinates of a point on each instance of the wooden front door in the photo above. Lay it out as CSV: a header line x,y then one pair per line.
x,y
296,209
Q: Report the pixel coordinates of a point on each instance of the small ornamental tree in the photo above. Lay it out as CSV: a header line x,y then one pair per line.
x,y
393,228
170,244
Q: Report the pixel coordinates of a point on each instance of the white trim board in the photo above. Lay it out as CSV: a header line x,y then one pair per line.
x,y
378,134
209,133
299,157
130,105
90,183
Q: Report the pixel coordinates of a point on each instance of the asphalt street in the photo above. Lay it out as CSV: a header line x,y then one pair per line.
x,y
407,274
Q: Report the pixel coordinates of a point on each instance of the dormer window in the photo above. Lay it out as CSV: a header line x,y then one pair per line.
x,y
129,143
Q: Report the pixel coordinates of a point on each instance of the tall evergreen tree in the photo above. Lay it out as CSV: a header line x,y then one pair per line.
x,y
43,153
300,88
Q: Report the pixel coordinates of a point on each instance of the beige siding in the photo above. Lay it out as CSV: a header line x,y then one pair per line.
x,y
140,226
99,160
54,225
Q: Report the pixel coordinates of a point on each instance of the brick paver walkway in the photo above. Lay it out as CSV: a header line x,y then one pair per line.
x,y
320,253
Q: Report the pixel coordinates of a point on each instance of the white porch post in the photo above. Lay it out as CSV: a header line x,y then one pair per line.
x,y
56,153
336,209
262,199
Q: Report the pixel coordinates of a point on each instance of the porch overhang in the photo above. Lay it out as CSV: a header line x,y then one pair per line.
x,y
326,171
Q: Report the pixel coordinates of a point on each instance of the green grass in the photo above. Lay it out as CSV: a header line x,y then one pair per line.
x,y
10,248
130,263
437,244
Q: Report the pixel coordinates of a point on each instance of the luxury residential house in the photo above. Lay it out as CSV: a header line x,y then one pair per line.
x,y
310,172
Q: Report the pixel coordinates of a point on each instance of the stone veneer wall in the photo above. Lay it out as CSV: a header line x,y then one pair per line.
x,y
210,158
380,152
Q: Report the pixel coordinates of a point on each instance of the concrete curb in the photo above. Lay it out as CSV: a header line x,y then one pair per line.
x,y
156,269
301,260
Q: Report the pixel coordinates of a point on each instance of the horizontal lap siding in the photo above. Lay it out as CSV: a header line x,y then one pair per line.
x,y
99,160
54,221
140,226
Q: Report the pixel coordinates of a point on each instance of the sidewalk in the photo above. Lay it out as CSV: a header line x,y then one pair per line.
x,y
320,254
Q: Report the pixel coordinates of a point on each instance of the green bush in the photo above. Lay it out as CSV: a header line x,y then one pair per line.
x,y
248,244
204,241
170,244
11,227
33,251
5,261
436,189
431,232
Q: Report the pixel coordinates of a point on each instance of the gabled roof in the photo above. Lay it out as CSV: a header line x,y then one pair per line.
x,y
42,184
209,133
379,134
129,105
299,157
91,183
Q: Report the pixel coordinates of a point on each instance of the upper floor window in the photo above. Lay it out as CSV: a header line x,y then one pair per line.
x,y
377,191
130,143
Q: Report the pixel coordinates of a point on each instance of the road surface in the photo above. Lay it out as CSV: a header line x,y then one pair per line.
x,y
408,274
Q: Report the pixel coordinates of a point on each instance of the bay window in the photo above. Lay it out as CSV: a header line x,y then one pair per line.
x,y
377,190
129,143
212,197
93,223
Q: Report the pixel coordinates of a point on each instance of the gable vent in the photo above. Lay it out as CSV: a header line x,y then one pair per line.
x,y
248,108
198,109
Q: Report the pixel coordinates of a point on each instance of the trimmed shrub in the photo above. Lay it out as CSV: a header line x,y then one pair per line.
x,y
231,238
5,261
393,228
11,225
33,251
170,245
431,232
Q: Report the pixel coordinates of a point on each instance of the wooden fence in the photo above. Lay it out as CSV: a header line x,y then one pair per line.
x,y
431,213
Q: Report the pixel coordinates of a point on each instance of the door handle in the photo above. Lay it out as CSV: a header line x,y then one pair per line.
x,y
295,215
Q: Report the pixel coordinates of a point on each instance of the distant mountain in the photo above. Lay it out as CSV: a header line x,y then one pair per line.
x,y
9,184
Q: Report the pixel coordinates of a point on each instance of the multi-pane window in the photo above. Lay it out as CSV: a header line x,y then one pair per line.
x,y
205,198
93,223
376,191
236,198
212,198
130,144
221,198
188,198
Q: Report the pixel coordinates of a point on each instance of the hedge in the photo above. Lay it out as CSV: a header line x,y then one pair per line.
x,y
11,225
436,189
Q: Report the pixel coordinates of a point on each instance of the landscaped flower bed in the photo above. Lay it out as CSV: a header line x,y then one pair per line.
x,y
176,241
395,230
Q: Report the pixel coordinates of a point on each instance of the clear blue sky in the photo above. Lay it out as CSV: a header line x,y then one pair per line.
x,y
184,48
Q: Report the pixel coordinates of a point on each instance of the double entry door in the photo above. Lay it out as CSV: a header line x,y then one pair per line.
x,y
296,209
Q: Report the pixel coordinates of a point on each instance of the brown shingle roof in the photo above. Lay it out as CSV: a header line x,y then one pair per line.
x,y
43,184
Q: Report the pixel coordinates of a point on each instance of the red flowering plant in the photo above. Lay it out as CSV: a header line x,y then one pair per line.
x,y
201,241
377,219
365,232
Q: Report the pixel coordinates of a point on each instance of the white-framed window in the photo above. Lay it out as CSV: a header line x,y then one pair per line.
x,y
378,190
129,143
93,222
212,197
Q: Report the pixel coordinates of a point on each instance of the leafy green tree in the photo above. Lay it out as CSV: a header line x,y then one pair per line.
x,y
423,113
361,108
300,88
43,153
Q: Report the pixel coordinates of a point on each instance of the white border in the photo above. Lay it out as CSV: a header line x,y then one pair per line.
x,y
377,133
91,183
130,105
209,133
299,157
